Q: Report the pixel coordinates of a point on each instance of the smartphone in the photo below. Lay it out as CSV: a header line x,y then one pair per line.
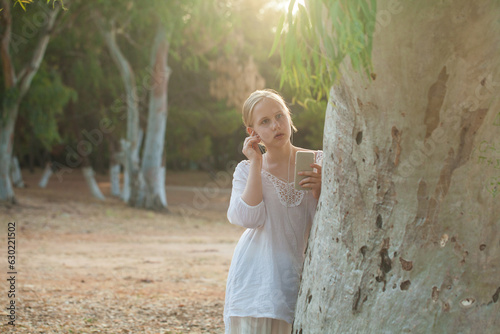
x,y
303,161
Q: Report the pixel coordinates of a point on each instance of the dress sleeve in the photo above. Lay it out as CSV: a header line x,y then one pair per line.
x,y
239,212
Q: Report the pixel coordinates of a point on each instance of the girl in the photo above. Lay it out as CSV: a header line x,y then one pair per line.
x,y
264,276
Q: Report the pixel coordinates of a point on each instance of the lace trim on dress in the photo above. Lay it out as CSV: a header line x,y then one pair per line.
x,y
287,194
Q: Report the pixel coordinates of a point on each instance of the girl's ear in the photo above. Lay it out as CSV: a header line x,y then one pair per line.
x,y
250,130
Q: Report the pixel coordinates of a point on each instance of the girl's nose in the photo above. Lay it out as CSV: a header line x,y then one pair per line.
x,y
276,124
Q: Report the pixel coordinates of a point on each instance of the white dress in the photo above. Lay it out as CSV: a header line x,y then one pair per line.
x,y
264,276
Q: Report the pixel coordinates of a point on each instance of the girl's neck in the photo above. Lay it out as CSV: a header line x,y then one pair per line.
x,y
277,155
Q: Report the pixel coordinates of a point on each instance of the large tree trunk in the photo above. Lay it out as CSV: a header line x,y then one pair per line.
x,y
152,169
406,237
15,87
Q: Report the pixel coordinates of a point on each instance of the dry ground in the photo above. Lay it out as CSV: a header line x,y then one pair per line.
x,y
86,266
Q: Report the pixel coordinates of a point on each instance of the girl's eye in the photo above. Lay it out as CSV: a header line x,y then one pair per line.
x,y
279,116
265,121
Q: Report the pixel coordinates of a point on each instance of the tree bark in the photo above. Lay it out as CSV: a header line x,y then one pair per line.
x,y
47,173
10,107
88,174
152,169
125,195
15,87
15,173
6,144
406,235
132,165
114,176
115,163
134,178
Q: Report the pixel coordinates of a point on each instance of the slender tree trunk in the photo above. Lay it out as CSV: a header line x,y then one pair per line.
x,y
15,87
6,139
132,167
10,107
128,181
89,175
152,169
125,147
406,238
114,177
135,178
115,163
15,173
47,173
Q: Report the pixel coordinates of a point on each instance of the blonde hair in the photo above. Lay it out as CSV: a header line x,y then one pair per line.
x,y
256,97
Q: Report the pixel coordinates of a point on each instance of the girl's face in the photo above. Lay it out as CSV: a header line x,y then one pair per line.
x,y
270,123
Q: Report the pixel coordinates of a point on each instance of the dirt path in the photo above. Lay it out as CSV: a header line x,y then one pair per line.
x,y
85,266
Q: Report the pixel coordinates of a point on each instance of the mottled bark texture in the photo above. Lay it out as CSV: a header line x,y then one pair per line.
x,y
406,237
144,181
153,167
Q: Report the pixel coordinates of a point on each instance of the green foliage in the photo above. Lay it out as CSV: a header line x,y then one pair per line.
x,y
194,116
81,57
42,105
202,135
8,100
314,42
200,129
310,122
190,142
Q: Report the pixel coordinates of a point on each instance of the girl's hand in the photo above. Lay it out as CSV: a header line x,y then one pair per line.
x,y
313,181
251,148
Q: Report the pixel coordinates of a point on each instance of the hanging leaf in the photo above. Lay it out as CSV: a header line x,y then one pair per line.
x,y
318,37
279,28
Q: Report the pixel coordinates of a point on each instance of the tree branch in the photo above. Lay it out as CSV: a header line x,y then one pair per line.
x,y
31,68
127,74
8,67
